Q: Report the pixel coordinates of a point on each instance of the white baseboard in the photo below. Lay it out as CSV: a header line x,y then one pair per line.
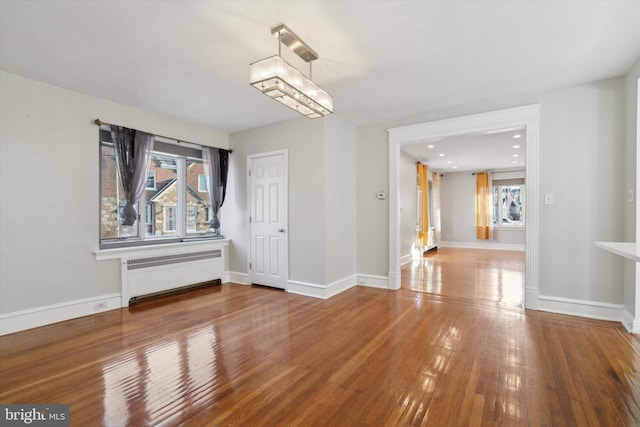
x,y
482,245
235,277
406,259
574,307
531,299
321,291
40,316
372,281
630,323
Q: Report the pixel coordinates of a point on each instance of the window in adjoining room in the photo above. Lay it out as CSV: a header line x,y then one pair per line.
x,y
508,205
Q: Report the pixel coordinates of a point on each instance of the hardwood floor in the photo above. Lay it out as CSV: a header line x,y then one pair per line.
x,y
251,356
496,276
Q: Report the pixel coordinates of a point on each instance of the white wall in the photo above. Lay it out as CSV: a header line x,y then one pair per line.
x,y
303,139
408,204
372,213
458,207
340,200
322,194
631,211
458,198
582,131
49,186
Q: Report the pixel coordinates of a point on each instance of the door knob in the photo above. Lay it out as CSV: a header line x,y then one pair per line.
x,y
281,230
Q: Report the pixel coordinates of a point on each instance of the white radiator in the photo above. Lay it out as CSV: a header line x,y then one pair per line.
x,y
151,273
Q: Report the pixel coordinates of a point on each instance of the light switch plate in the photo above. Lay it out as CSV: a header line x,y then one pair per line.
x,y
548,198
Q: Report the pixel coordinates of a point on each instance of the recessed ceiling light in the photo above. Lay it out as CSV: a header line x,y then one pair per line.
x,y
448,162
441,154
455,167
517,135
430,146
516,155
516,146
514,162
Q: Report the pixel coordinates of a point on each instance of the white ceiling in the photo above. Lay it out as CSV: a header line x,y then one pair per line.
x,y
503,150
380,60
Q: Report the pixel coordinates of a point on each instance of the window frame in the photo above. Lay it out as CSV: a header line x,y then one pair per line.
x,y
502,224
185,154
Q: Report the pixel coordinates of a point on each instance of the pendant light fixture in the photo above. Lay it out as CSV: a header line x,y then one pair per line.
x,y
277,79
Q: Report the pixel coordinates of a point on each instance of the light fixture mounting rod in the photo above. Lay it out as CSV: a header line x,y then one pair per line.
x,y
293,42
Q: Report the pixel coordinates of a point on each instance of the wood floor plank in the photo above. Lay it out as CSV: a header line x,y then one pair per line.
x,y
452,347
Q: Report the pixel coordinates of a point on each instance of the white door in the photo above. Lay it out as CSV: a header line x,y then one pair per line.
x,y
269,260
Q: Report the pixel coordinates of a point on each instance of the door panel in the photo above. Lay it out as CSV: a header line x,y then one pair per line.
x,y
269,250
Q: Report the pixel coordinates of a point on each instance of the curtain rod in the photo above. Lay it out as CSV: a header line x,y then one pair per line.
x,y
100,123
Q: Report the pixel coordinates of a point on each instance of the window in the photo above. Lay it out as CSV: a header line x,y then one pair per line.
x,y
169,219
202,183
171,208
192,219
508,205
151,180
149,221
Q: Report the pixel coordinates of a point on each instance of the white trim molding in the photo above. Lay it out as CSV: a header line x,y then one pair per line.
x,y
373,281
405,259
630,323
582,308
235,277
321,291
41,316
481,245
527,117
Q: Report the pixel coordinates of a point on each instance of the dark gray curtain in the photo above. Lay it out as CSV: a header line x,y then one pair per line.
x,y
216,165
132,150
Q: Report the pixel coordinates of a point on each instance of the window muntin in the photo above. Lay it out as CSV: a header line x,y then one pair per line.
x,y
171,207
508,205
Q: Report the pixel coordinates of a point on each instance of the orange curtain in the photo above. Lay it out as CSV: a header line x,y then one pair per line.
x,y
423,220
435,178
483,205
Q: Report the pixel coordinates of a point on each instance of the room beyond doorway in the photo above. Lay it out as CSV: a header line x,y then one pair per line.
x,y
527,116
481,275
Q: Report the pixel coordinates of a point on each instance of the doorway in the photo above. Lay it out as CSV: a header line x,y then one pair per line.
x,y
268,206
527,117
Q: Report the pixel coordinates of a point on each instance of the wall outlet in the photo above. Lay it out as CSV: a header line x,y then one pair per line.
x,y
548,198
100,305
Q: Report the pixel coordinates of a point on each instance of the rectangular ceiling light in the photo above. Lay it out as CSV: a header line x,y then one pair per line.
x,y
279,80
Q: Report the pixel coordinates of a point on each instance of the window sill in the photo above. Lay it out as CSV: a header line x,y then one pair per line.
x,y
160,249
509,227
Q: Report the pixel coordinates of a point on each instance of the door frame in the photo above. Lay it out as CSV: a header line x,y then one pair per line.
x,y
527,116
285,251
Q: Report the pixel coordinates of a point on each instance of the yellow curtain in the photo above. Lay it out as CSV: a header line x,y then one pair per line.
x,y
423,220
435,178
483,205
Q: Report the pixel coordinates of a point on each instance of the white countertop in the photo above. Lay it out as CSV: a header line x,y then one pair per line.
x,y
628,250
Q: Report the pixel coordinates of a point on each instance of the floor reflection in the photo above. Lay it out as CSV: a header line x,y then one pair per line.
x,y
192,370
469,273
